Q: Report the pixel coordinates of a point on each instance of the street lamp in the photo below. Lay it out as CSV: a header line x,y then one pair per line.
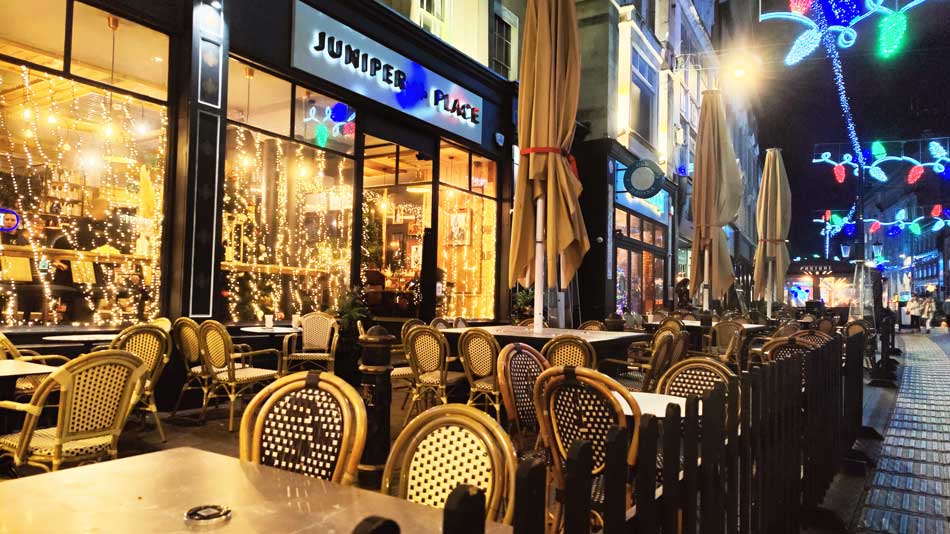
x,y
876,248
845,250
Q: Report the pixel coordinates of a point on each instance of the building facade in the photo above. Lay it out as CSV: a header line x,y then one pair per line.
x,y
232,160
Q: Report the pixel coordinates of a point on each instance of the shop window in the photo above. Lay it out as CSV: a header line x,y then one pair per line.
x,y
649,288
623,279
454,166
286,226
119,52
635,232
84,174
466,260
324,121
659,238
27,36
636,283
620,224
484,176
647,232
395,214
659,281
258,99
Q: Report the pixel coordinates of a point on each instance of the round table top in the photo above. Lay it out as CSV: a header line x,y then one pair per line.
x,y
81,338
271,330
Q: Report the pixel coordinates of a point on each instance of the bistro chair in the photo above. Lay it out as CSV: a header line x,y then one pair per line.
x,y
162,322
812,336
785,347
153,346
569,350
27,384
530,322
519,366
479,352
807,318
593,324
428,352
689,316
787,329
440,323
320,334
95,392
825,325
460,322
576,403
643,377
693,376
672,322
723,336
310,423
218,358
401,375
642,351
185,336
450,445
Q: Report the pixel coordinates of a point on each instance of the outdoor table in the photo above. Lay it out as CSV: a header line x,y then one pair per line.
x,y
605,343
10,371
695,325
152,492
654,404
87,340
273,331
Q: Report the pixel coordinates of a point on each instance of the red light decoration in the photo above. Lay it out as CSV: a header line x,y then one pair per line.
x,y
349,128
800,6
936,211
839,173
875,226
827,215
914,174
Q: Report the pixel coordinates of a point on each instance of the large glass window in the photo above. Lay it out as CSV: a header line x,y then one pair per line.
x,y
82,175
258,99
623,279
323,121
26,35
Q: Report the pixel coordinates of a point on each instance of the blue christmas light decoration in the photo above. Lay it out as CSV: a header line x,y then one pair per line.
x,y
939,165
937,151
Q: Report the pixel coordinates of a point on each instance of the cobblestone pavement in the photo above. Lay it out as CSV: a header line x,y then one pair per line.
x,y
910,489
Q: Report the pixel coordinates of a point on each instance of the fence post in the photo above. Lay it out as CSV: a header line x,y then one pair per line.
x,y
732,455
745,454
712,488
464,511
530,505
646,518
615,480
671,469
580,461
690,466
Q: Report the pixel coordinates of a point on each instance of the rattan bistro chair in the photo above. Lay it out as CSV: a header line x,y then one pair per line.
x,y
576,403
310,423
27,384
593,325
530,322
95,392
643,377
693,376
402,376
320,334
479,352
825,325
440,323
218,358
450,445
428,352
185,334
724,341
519,366
152,345
569,350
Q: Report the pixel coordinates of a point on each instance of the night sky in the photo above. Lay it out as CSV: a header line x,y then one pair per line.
x,y
907,97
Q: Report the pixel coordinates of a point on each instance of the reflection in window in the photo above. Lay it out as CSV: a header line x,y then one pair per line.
x,y
623,279
454,166
636,285
323,121
286,226
119,52
649,289
620,224
37,39
85,170
467,229
484,176
257,98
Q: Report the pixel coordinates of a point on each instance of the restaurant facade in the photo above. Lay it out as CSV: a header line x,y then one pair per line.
x,y
232,160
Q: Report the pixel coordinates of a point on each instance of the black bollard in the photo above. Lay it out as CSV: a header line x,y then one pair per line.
x,y
376,390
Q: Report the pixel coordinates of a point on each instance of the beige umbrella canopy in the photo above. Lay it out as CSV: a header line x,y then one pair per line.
x,y
716,198
547,190
773,218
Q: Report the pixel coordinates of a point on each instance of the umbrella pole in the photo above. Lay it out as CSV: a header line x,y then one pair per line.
x,y
770,291
539,266
707,288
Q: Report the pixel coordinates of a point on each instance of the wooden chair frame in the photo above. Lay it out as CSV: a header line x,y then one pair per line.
x,y
195,376
593,324
666,381
351,406
490,397
506,384
25,386
588,353
214,358
323,351
64,381
422,391
440,323
499,497
125,341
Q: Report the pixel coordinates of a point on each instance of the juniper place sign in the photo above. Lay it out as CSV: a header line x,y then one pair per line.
x,y
335,52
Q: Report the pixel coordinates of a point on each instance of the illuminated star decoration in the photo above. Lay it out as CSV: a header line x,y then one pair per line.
x,y
936,148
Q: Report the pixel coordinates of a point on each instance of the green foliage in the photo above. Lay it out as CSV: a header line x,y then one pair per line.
x,y
350,309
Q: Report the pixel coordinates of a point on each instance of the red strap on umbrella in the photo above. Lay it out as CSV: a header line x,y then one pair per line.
x,y
553,150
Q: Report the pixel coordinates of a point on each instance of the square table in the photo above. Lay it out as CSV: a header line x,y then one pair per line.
x,y
605,343
695,325
152,492
87,340
11,370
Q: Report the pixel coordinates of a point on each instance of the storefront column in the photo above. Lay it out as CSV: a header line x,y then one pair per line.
x,y
196,250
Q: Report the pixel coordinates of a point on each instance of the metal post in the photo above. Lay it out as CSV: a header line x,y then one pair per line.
x,y
539,263
376,390
859,222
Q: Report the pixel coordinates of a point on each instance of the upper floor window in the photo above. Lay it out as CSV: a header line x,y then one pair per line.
x,y
431,15
643,96
504,52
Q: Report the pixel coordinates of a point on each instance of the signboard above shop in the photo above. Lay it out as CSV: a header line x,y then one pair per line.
x,y
333,51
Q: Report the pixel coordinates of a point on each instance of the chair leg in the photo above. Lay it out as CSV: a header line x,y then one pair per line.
x,y
158,420
232,397
204,404
180,397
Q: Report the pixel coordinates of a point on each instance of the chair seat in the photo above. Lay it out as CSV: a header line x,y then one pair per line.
x,y
432,378
310,356
199,370
402,373
43,443
247,374
486,384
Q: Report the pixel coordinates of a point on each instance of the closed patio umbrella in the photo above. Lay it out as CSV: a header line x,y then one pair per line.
x,y
716,196
773,218
547,222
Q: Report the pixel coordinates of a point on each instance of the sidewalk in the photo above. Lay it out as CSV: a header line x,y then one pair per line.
x,y
910,489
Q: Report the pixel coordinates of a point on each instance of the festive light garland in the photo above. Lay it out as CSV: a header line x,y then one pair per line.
x,y
842,16
935,147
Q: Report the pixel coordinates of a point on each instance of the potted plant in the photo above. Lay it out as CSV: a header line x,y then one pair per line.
x,y
350,308
523,303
